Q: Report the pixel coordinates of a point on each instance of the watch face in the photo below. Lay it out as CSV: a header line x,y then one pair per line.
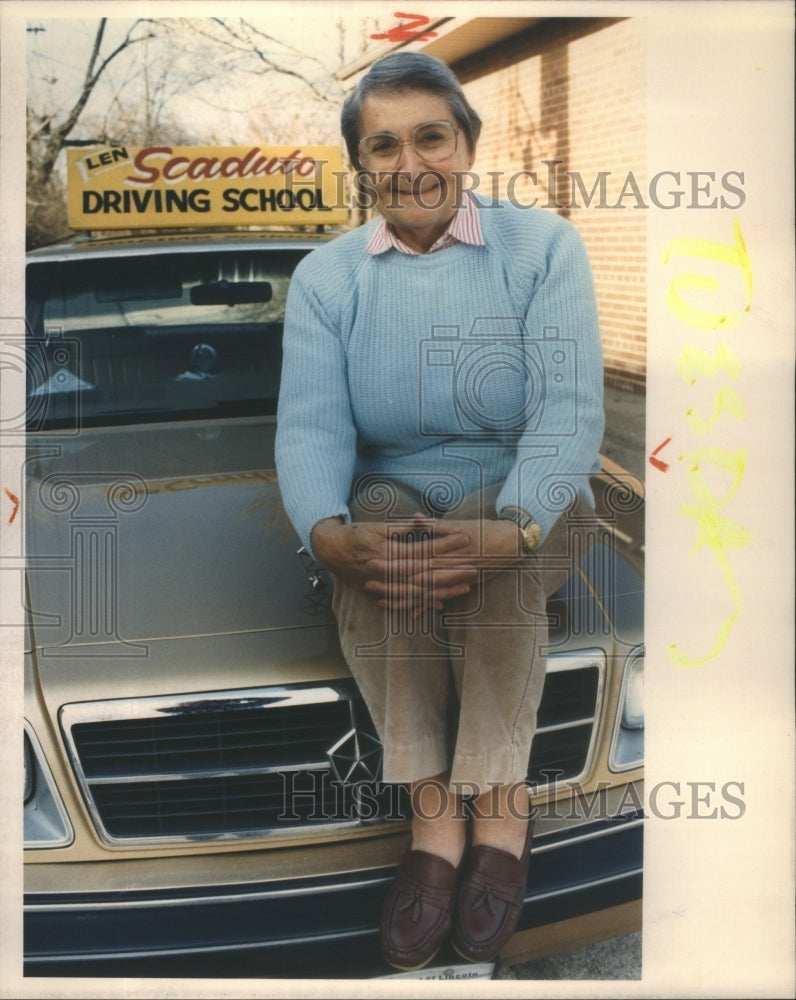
x,y
531,532
532,535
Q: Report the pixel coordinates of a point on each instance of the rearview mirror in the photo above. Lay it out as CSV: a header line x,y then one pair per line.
x,y
231,293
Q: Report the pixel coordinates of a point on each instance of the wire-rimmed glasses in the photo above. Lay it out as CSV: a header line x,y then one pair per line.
x,y
432,141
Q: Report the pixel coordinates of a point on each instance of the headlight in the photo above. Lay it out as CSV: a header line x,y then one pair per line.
x,y
46,823
627,747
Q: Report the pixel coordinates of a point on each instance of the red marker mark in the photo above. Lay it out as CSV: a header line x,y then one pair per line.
x,y
657,462
407,32
15,501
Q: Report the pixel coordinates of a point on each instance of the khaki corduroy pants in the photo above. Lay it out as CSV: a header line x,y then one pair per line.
x,y
458,690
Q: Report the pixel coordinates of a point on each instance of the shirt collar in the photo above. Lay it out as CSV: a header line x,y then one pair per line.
x,y
464,227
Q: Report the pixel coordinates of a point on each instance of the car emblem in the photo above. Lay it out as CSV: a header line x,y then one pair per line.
x,y
356,757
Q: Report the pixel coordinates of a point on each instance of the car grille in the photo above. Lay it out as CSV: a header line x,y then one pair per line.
x,y
274,761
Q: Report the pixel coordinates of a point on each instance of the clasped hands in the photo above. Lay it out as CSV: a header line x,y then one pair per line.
x,y
418,563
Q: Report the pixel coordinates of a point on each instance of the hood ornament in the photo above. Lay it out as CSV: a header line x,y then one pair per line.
x,y
356,757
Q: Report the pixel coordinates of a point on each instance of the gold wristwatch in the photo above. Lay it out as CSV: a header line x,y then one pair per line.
x,y
531,532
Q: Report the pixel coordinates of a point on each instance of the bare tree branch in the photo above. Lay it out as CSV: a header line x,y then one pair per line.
x,y
56,137
247,43
186,66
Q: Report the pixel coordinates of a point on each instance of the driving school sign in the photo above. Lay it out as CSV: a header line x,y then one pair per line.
x,y
119,187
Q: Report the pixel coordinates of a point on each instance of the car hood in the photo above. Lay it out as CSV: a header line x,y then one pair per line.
x,y
176,532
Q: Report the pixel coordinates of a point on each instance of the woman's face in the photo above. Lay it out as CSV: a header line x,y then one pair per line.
x,y
417,197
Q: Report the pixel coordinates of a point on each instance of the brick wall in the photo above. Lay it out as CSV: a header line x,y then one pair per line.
x,y
573,90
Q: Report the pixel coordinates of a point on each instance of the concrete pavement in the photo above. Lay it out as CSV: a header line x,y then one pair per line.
x,y
617,959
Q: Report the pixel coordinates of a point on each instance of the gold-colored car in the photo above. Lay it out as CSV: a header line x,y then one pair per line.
x,y
203,790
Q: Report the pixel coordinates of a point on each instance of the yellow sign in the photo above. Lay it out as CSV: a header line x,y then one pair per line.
x,y
118,187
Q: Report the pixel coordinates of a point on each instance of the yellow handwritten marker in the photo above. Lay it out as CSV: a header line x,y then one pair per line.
x,y
694,359
723,252
733,462
726,400
718,533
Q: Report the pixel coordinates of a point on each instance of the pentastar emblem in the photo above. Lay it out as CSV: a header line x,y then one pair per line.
x,y
356,757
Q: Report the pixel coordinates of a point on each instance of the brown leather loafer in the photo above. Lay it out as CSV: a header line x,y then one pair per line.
x,y
491,894
418,912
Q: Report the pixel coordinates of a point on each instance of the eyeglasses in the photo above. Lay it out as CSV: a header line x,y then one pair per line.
x,y
432,141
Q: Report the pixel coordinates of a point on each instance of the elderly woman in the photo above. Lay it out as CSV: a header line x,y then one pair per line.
x,y
439,418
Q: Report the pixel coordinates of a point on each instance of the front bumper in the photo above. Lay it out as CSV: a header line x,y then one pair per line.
x,y
295,926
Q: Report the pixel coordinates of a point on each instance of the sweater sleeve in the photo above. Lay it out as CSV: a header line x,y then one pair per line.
x,y
559,448
316,437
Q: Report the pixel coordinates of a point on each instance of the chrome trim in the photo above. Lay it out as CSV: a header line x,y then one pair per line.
x,y
126,709
578,660
202,900
149,245
294,834
587,720
279,696
305,939
613,530
313,890
122,709
581,886
45,774
588,657
637,652
202,949
585,837
209,773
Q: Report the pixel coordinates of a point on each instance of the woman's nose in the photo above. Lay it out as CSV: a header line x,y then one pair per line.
x,y
409,161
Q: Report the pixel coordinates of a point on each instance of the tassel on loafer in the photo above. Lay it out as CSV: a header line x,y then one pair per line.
x,y
417,914
491,895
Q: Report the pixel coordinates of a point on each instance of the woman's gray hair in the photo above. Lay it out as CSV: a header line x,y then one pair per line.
x,y
408,71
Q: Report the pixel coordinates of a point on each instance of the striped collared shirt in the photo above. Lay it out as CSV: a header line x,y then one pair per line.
x,y
464,227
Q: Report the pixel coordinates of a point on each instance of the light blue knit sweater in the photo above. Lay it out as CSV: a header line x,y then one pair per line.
x,y
448,372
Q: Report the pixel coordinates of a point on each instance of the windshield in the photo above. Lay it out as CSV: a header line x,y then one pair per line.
x,y
142,338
